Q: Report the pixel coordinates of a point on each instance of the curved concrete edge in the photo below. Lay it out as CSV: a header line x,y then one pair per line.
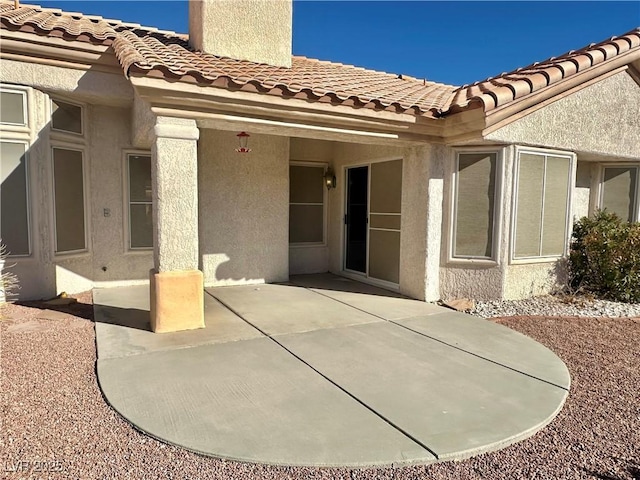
x,y
495,446
458,456
253,461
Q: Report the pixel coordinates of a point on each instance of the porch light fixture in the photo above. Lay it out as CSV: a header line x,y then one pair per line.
x,y
243,143
330,179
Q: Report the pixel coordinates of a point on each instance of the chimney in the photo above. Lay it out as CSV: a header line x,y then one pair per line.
x,y
254,30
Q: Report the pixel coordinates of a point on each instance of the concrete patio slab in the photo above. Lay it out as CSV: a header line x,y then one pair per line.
x,y
494,342
455,403
332,385
122,324
277,309
250,401
367,298
329,281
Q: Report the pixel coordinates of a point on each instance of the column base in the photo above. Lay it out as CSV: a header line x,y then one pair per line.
x,y
177,300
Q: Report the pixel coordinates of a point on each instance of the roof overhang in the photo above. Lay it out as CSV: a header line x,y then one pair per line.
x,y
240,110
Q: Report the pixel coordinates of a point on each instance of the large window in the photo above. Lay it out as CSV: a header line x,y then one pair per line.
x,y
14,171
306,204
474,206
14,198
543,185
619,191
68,179
140,201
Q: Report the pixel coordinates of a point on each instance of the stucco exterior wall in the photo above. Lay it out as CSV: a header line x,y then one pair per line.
x,y
254,30
310,259
107,261
85,85
581,195
534,279
599,119
243,209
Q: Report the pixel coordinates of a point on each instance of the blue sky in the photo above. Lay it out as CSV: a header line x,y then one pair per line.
x,y
452,42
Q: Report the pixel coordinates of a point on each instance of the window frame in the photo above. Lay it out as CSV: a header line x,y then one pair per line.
x,y
494,259
571,156
85,197
127,202
25,106
601,173
324,166
83,119
27,167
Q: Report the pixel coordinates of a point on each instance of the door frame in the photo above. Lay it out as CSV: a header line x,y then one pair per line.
x,y
354,275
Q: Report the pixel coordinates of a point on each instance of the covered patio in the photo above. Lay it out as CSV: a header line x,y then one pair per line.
x,y
323,370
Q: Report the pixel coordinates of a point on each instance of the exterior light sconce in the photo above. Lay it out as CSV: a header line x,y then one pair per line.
x,y
330,179
243,143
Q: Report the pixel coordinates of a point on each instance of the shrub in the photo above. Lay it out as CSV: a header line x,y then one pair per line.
x,y
605,257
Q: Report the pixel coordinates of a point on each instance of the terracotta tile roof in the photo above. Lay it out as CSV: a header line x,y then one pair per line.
x,y
148,51
309,79
152,52
505,88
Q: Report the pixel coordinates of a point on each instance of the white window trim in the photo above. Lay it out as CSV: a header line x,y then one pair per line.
x,y
85,196
602,167
325,209
514,206
25,107
27,167
128,249
497,209
83,118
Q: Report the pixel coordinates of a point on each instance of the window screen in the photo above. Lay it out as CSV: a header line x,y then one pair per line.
x,y
620,190
69,200
385,220
140,202
306,204
12,108
542,205
14,204
474,205
66,117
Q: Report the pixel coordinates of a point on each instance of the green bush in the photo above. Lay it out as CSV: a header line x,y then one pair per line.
x,y
605,257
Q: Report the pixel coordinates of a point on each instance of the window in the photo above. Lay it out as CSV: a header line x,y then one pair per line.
x,y
14,171
542,204
68,178
306,204
475,193
619,192
14,197
14,107
66,117
140,201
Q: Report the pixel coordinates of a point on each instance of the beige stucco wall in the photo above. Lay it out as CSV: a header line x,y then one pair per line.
x,y
85,85
254,30
243,209
310,259
107,136
600,119
581,195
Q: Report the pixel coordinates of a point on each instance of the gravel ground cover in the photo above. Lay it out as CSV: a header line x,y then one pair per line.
x,y
54,417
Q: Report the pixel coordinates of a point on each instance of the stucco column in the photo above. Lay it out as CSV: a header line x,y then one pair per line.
x,y
177,301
